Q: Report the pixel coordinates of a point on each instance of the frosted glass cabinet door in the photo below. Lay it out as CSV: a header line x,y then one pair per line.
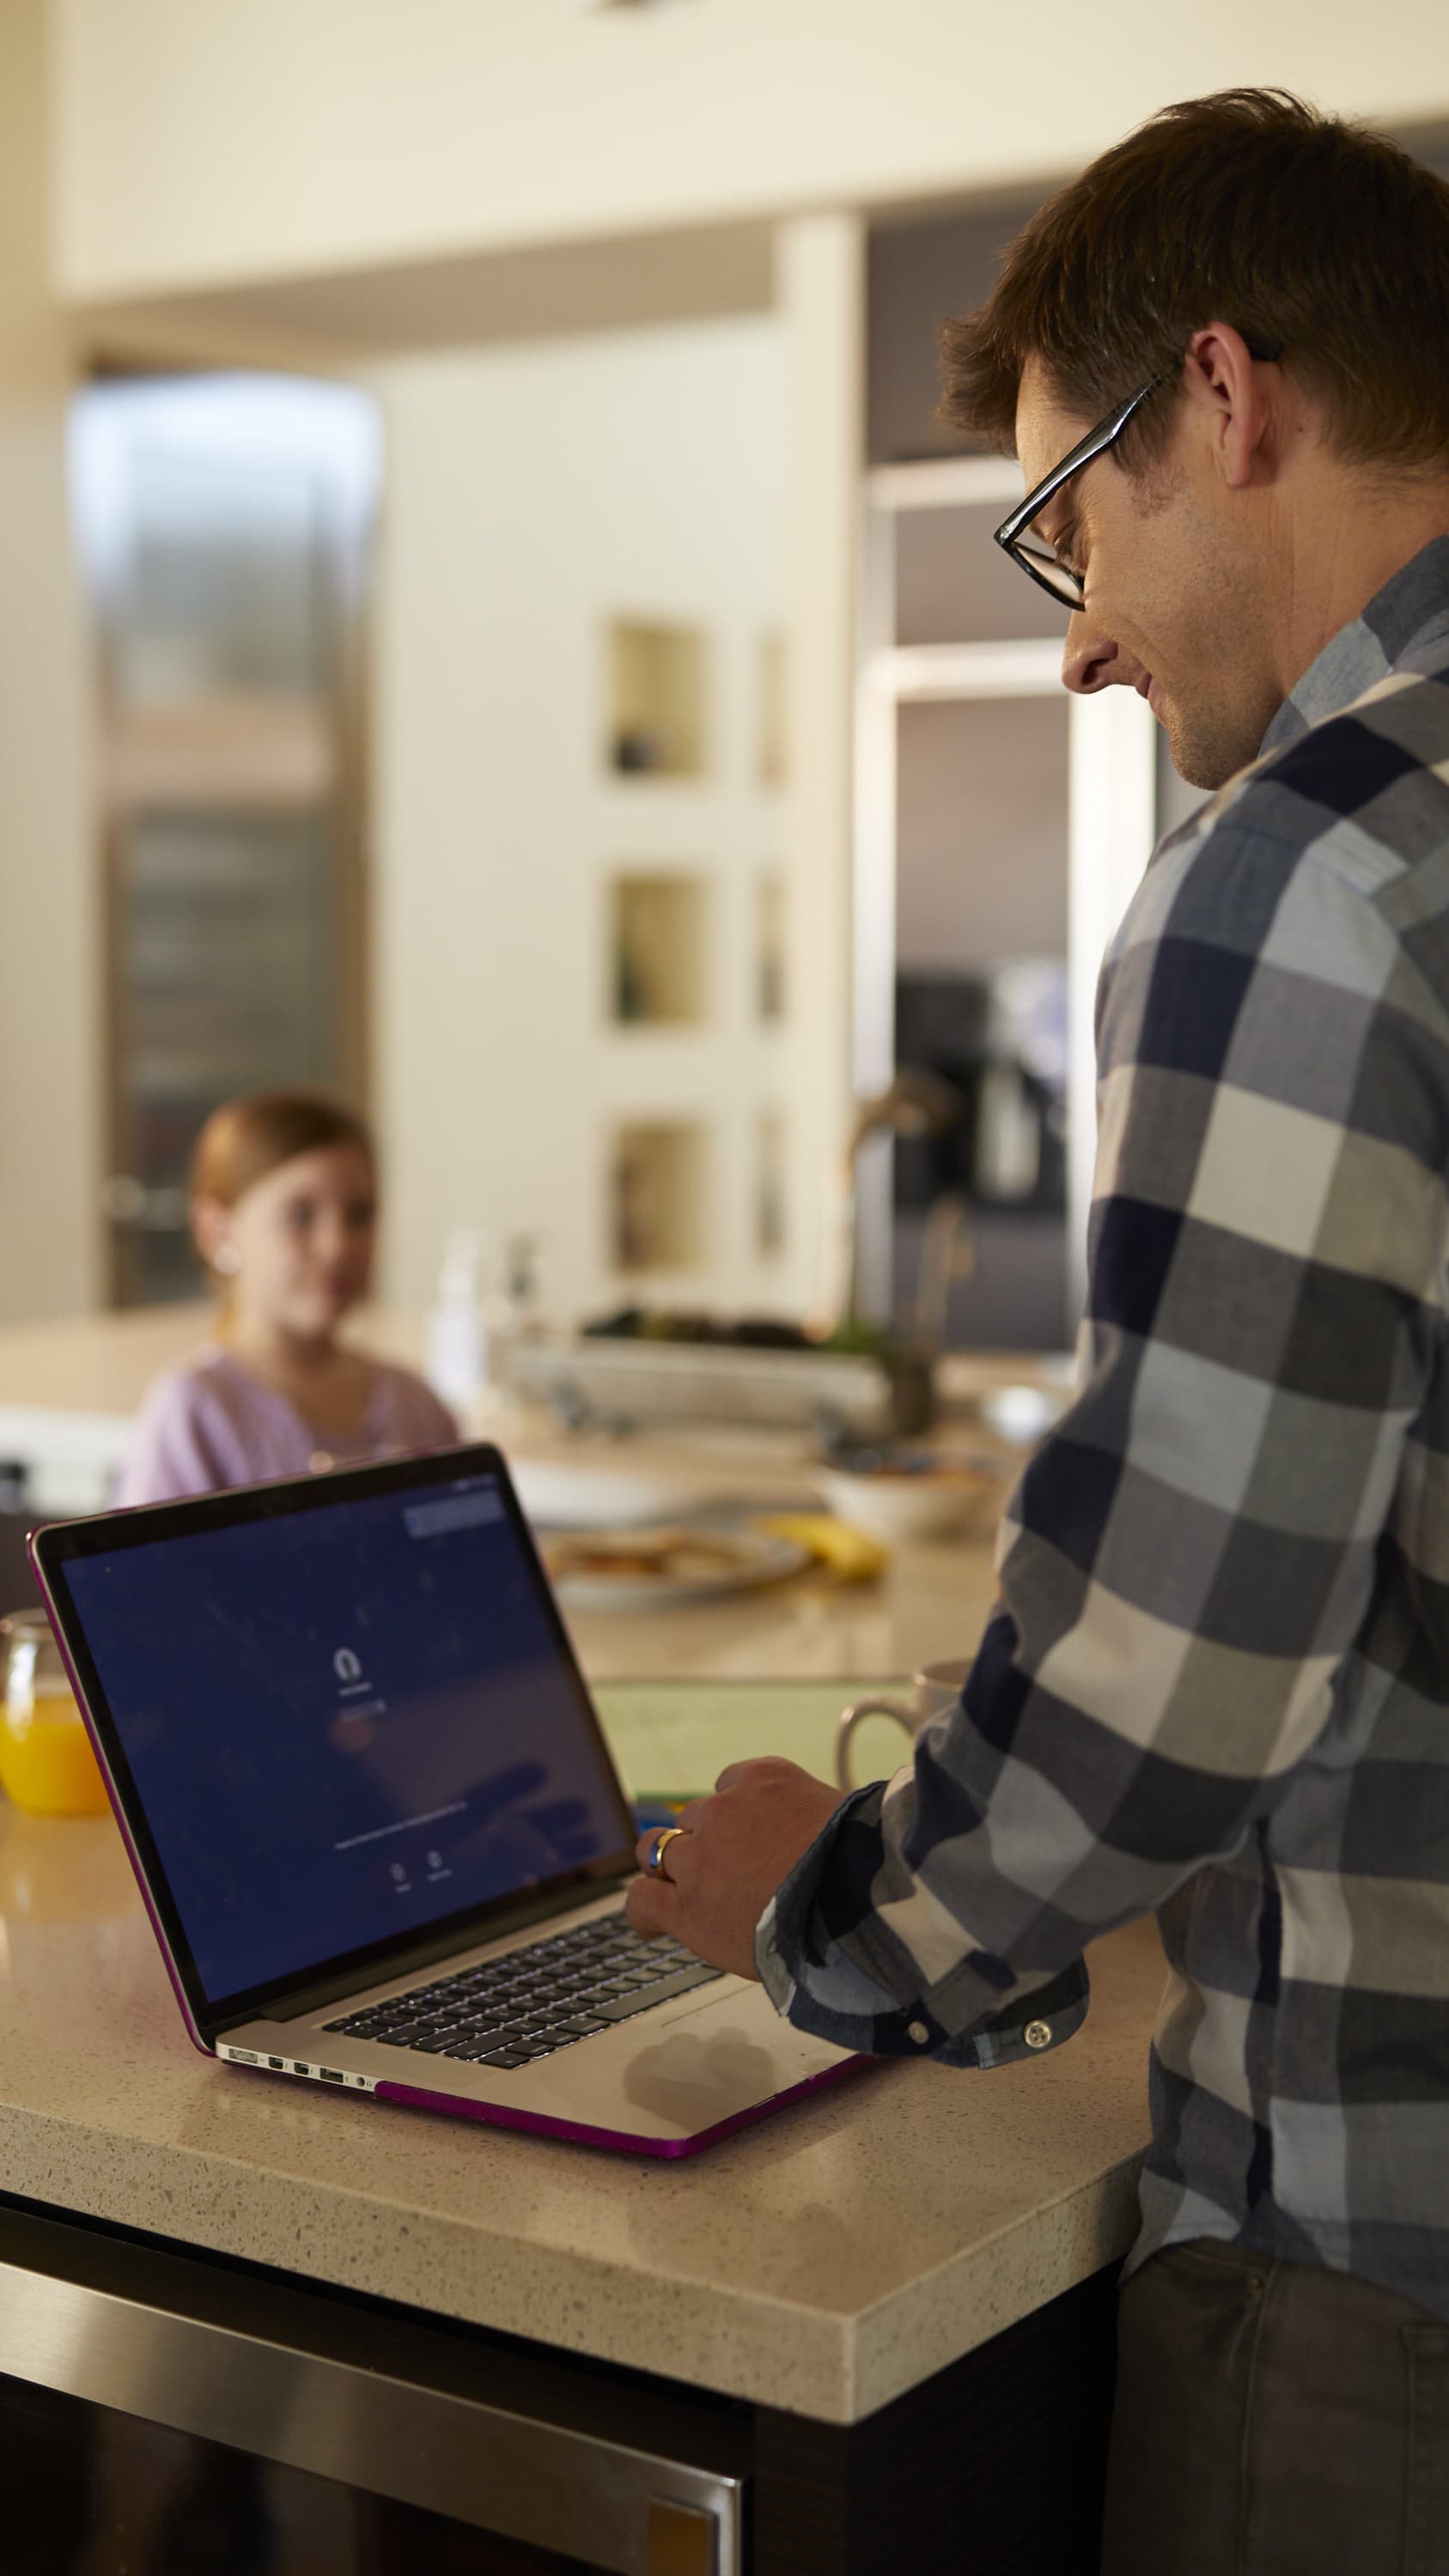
x,y
221,519
224,523
225,583
225,935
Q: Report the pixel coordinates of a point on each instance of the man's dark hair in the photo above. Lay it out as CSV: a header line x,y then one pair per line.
x,y
1248,207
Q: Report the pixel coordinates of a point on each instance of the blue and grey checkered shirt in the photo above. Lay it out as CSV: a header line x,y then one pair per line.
x,y
1217,1680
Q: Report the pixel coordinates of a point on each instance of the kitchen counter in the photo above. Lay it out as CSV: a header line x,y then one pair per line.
x,y
823,2262
801,2306
68,1391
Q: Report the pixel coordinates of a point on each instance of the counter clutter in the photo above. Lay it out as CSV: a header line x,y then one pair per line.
x,y
68,1391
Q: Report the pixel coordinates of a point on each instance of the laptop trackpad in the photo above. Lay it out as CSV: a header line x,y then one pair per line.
x,y
719,2059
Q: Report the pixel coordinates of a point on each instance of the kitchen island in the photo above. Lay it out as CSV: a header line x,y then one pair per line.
x,y
872,2334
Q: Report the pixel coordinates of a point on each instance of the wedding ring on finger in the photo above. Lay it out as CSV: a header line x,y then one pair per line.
x,y
666,1835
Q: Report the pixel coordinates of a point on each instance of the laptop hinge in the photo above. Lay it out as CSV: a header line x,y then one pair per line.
x,y
538,1906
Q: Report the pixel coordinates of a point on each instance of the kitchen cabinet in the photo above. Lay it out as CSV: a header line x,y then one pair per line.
x,y
224,526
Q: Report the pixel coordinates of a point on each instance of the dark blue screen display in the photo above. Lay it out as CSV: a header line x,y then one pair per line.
x,y
344,1723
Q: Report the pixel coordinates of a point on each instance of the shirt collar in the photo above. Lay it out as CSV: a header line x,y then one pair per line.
x,y
1413,603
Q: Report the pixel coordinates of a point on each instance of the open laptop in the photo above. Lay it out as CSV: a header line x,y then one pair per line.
x,y
376,1824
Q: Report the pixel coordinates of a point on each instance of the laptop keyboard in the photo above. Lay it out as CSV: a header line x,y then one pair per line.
x,y
510,2011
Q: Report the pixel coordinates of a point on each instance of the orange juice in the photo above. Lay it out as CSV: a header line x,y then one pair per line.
x,y
46,1762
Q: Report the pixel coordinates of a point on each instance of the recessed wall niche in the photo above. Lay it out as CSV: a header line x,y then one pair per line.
x,y
656,950
770,1179
772,713
656,1196
656,682
770,949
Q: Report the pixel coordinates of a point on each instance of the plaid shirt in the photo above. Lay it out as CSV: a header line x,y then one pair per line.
x,y
1217,1680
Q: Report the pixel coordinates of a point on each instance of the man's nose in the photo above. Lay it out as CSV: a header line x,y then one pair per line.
x,y
1088,658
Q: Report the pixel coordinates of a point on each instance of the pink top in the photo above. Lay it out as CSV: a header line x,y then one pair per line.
x,y
210,1424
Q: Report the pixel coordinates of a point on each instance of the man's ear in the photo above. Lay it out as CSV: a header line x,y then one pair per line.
x,y
1227,383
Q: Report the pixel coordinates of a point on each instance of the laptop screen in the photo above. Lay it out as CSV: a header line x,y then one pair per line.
x,y
344,1723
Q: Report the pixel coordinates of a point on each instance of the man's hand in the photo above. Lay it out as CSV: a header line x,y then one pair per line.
x,y
733,1851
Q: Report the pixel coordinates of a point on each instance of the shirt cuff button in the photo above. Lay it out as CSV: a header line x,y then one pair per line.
x,y
917,2031
1038,2034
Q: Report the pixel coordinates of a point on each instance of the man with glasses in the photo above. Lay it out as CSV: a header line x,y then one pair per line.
x,y
1216,1684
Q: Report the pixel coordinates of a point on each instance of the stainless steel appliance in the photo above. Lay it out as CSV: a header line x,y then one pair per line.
x,y
159,2412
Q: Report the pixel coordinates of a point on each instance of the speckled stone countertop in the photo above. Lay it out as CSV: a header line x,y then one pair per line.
x,y
824,2262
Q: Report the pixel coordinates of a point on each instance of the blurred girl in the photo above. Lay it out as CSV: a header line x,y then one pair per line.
x,y
284,1213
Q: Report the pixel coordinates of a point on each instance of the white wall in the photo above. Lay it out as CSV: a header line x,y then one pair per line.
x,y
531,492
49,974
199,143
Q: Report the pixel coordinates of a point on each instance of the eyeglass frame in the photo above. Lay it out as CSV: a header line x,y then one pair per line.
x,y
1096,443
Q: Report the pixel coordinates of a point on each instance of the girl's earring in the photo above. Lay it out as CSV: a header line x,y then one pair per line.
x,y
227,1260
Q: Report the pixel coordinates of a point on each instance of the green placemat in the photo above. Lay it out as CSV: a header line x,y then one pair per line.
x,y
675,1737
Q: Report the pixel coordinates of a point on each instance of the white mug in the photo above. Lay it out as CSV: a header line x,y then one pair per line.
x,y
937,1688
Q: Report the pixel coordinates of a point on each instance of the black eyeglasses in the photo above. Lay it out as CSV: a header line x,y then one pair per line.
x,y
1039,559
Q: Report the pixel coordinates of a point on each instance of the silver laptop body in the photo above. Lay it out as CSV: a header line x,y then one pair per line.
x,y
375,1820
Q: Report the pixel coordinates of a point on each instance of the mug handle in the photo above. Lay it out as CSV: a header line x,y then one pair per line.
x,y
850,1719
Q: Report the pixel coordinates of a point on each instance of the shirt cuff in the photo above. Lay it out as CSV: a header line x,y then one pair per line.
x,y
818,1978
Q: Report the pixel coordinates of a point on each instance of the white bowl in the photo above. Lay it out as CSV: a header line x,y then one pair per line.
x,y
564,1494
899,1508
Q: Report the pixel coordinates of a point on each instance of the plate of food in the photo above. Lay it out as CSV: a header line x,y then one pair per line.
x,y
662,1567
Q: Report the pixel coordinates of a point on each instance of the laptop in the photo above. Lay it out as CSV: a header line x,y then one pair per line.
x,y
376,1824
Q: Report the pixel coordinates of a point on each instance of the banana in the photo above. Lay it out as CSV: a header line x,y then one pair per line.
x,y
851,1554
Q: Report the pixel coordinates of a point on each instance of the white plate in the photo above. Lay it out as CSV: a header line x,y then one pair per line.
x,y
759,1558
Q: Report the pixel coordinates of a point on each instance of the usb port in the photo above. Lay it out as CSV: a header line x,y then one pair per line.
x,y
330,2075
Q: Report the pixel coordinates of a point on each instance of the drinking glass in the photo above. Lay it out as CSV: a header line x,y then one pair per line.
x,y
46,1762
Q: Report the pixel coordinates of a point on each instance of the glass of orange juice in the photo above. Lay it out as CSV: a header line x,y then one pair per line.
x,y
46,1762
